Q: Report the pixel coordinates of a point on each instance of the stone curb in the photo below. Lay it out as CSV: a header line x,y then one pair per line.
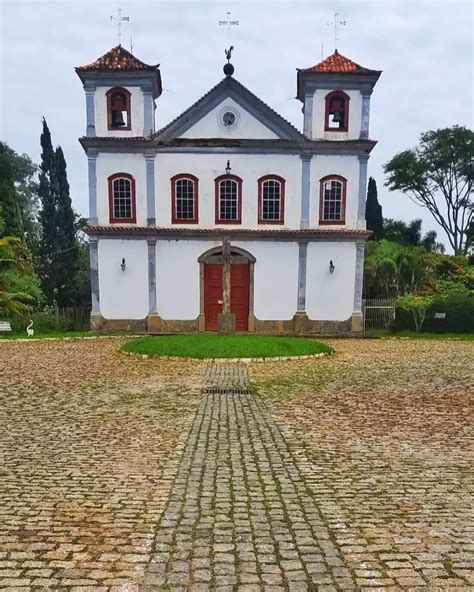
x,y
233,360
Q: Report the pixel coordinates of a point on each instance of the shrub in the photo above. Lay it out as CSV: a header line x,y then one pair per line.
x,y
417,304
459,316
43,322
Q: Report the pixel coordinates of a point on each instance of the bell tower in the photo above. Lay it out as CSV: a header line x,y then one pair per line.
x,y
336,99
120,95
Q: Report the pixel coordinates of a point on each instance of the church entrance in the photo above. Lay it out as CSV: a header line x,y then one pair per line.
x,y
239,294
240,285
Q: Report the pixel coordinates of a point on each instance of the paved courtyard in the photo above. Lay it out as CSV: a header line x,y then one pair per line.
x,y
344,473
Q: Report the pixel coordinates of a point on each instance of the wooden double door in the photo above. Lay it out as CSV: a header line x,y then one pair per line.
x,y
239,294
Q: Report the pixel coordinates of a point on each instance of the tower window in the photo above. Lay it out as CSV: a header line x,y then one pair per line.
x,y
271,199
184,194
332,208
122,198
228,199
118,109
337,112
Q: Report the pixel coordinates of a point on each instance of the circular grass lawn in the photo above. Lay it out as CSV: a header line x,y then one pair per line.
x,y
205,345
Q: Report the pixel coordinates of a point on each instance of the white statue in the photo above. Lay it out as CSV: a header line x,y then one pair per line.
x,y
29,330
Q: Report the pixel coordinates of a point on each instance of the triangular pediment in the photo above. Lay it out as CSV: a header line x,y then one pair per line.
x,y
250,117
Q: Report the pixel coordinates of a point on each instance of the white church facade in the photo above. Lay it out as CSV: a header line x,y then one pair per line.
x,y
228,211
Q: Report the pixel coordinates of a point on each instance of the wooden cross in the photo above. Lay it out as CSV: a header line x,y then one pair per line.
x,y
119,18
227,259
229,24
336,22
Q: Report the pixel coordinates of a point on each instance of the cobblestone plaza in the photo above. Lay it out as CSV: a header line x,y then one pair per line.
x,y
344,473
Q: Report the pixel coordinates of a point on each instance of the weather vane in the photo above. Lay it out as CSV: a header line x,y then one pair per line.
x,y
336,24
119,18
229,24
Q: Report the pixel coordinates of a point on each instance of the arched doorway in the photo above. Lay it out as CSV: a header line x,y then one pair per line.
x,y
241,292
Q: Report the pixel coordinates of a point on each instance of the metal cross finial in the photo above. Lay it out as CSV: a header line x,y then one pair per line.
x,y
336,24
228,23
119,18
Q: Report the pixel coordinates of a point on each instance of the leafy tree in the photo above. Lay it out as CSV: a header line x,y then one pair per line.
x,y
12,223
19,288
410,233
438,175
58,247
373,211
26,186
417,304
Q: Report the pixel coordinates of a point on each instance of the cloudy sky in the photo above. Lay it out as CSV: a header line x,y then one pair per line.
x,y
423,47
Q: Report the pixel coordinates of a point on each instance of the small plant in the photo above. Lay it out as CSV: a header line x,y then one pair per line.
x,y
417,304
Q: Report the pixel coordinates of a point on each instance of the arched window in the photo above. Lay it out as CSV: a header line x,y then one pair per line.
x,y
337,112
271,199
184,195
118,109
122,198
228,199
332,208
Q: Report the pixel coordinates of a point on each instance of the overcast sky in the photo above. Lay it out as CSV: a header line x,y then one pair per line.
x,y
423,47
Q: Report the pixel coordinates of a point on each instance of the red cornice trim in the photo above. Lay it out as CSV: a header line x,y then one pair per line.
x,y
109,93
342,221
327,100
282,181
195,180
239,199
112,219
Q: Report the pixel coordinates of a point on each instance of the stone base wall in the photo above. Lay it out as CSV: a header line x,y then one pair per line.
x,y
300,324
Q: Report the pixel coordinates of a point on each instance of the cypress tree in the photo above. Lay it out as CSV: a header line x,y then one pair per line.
x,y
12,224
58,248
373,211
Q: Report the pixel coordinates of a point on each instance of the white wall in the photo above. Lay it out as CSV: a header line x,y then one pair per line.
x,y
330,297
123,294
319,110
247,166
346,166
136,112
177,277
248,127
275,278
111,163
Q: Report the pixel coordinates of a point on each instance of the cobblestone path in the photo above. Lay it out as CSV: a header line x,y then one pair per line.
x,y
240,516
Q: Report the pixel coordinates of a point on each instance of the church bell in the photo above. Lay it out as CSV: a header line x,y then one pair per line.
x,y
117,119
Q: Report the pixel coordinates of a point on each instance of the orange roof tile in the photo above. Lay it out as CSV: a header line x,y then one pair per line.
x,y
117,59
337,63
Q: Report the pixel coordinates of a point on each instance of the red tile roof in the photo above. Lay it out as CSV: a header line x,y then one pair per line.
x,y
336,63
117,59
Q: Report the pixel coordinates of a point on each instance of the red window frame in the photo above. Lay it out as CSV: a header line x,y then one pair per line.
x,y
346,98
174,180
109,109
261,181
322,181
133,209
217,181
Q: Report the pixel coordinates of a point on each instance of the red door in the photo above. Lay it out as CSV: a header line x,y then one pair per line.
x,y
239,295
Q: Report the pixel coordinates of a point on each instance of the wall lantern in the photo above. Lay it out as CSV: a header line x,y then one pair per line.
x,y
123,265
227,168
332,267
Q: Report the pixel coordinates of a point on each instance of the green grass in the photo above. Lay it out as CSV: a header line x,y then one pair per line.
x,y
414,335
205,345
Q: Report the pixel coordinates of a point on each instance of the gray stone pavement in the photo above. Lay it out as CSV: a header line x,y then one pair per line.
x,y
240,515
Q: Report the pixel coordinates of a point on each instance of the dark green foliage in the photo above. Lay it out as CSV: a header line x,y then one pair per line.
x,y
459,316
439,176
373,211
58,249
43,322
403,233
26,187
10,210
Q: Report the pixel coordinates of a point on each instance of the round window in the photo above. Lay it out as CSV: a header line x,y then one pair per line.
x,y
228,118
